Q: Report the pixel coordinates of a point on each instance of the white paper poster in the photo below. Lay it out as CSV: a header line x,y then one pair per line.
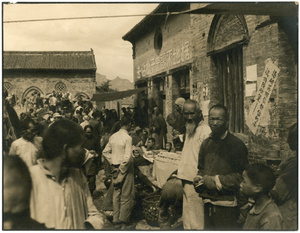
x,y
250,89
251,72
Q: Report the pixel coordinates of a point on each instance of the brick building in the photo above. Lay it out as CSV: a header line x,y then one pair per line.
x,y
221,58
27,72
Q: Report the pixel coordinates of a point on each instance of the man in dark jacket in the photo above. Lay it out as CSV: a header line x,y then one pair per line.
x,y
159,128
176,120
222,159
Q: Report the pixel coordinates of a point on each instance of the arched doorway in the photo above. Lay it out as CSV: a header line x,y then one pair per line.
x,y
29,96
228,34
31,90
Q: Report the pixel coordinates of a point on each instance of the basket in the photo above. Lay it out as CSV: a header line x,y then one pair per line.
x,y
151,209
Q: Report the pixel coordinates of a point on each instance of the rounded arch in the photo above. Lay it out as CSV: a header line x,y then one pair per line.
x,y
226,31
82,95
30,90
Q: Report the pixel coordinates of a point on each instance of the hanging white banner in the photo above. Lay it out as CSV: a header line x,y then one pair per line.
x,y
263,94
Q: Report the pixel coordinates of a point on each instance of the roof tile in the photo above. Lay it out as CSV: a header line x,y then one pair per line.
x,y
56,60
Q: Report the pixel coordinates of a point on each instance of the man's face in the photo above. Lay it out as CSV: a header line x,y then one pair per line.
x,y
189,112
246,186
75,156
88,132
177,108
217,122
68,115
145,132
151,143
57,118
30,132
136,153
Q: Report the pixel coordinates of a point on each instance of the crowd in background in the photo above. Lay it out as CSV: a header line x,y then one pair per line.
x,y
213,188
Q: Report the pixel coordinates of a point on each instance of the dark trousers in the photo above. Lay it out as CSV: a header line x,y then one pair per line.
x,y
92,182
52,108
220,217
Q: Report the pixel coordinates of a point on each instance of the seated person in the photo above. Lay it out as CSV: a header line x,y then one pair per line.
x,y
285,191
169,147
17,185
136,137
143,169
258,180
151,144
144,135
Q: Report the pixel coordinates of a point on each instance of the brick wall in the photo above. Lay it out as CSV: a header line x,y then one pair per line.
x,y
266,42
175,31
148,62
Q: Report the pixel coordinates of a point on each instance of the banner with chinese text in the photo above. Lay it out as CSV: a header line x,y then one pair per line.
x,y
263,94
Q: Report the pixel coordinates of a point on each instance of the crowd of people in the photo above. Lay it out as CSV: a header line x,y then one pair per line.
x,y
54,151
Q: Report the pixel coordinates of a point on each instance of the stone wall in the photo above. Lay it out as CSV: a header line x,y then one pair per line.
x,y
76,82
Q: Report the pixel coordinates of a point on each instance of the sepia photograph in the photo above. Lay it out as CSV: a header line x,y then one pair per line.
x,y
150,116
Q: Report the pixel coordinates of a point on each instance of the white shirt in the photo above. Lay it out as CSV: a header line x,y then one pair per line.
x,y
52,101
65,205
188,165
26,150
118,150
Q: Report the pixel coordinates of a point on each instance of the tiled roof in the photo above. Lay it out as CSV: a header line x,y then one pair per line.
x,y
49,60
150,20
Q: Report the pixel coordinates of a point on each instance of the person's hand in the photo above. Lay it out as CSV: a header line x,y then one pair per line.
x,y
117,181
209,182
93,153
175,133
154,188
197,180
115,173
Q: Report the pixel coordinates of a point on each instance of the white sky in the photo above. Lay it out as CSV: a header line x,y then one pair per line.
x,y
113,55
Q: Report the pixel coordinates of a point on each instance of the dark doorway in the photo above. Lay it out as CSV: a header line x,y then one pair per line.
x,y
230,74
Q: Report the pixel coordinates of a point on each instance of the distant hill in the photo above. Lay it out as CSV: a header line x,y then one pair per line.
x,y
121,84
117,83
100,78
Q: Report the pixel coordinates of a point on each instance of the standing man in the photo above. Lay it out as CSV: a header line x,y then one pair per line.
x,y
196,132
39,101
176,120
118,152
60,195
29,145
52,103
222,159
159,128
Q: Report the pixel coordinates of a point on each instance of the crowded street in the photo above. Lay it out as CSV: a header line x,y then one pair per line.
x,y
198,129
